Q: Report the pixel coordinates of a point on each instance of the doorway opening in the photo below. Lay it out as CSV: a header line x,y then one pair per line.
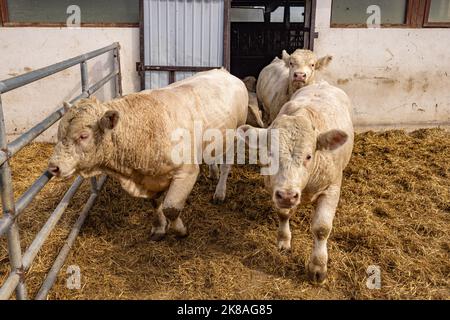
x,y
261,29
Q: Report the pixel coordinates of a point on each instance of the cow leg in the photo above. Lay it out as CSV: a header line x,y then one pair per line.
x,y
213,171
284,231
221,188
159,224
321,224
179,189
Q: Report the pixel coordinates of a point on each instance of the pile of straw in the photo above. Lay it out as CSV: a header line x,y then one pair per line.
x,y
394,213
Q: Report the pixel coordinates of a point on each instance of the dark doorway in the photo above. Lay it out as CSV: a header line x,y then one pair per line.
x,y
261,29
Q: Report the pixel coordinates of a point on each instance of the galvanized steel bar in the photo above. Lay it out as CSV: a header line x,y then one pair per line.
x,y
102,82
9,286
119,72
16,262
5,223
62,256
84,77
94,185
25,200
29,255
13,83
11,210
42,235
7,195
32,191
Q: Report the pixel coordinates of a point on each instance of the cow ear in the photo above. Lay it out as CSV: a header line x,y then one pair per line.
x,y
323,62
285,57
109,120
94,99
331,140
249,135
66,106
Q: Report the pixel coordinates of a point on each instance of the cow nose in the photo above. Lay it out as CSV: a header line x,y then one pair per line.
x,y
54,170
287,197
299,75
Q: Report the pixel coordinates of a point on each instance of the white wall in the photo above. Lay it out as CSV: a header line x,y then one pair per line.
x,y
26,49
396,77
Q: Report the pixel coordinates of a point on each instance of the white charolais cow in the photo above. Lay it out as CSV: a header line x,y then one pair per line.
x,y
131,139
315,142
278,81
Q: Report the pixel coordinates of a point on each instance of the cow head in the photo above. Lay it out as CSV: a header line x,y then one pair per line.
x,y
84,134
303,65
298,142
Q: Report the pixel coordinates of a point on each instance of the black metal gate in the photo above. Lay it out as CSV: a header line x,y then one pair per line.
x,y
255,44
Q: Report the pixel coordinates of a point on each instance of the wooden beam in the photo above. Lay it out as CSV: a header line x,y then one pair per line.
x,y
415,14
4,15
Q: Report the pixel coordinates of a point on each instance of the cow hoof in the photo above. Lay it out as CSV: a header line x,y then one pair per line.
x,y
284,245
181,234
317,274
213,175
218,199
157,236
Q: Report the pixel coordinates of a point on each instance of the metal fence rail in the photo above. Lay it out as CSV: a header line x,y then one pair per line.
x,y
12,209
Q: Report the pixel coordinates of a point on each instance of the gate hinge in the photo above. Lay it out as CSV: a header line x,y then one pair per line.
x,y
139,67
316,35
21,273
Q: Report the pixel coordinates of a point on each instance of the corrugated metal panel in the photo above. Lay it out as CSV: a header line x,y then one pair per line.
x,y
181,33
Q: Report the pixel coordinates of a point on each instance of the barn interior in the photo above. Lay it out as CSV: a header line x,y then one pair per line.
x,y
393,213
395,205
260,30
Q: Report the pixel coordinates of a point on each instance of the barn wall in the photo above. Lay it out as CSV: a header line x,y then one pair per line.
x,y
26,49
396,77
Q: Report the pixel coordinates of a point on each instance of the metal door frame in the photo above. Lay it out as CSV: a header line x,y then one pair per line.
x,y
141,68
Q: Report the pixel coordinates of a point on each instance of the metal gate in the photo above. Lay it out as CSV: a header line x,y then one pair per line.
x,y
181,37
255,43
20,263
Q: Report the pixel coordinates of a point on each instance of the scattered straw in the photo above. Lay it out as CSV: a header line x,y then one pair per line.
x,y
393,213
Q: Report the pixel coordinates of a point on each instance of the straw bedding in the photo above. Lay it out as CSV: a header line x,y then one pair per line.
x,y
393,213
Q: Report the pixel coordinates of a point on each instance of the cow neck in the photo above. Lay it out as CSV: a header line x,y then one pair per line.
x,y
132,150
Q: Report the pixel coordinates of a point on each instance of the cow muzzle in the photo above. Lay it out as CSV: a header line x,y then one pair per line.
x,y
59,171
299,77
286,199
54,169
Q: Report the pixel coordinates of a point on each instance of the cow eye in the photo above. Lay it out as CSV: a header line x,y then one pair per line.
x,y
84,136
308,157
